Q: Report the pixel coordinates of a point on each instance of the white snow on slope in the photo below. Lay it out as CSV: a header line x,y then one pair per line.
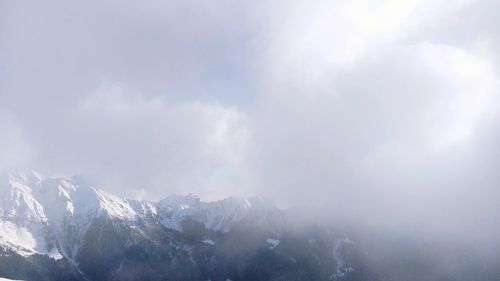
x,y
217,215
17,237
51,215
273,243
23,223
208,241
17,202
5,279
34,207
340,269
115,206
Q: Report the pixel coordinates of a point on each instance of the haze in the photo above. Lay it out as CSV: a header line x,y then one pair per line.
x,y
384,111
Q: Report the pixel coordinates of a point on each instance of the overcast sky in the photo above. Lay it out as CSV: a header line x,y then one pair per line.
x,y
390,105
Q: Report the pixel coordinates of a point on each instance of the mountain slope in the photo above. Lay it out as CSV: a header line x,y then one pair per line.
x,y
53,228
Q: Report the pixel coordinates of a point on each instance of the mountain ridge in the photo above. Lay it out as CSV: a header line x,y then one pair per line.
x,y
84,233
39,199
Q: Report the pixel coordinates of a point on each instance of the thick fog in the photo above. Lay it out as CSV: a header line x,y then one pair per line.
x,y
383,111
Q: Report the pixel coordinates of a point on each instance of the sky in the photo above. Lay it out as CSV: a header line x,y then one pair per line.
x,y
365,106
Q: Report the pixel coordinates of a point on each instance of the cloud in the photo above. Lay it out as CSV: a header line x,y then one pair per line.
x,y
152,145
375,125
367,108
408,102
15,149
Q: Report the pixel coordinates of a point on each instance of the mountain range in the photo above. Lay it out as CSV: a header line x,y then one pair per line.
x,y
68,229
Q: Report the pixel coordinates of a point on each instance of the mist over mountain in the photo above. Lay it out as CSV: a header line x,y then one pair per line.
x,y
250,140
66,229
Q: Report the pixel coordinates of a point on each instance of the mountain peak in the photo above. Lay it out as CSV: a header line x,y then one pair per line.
x,y
67,206
71,219
30,177
180,201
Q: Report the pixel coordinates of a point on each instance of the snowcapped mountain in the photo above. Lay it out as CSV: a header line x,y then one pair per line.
x,y
65,229
36,207
83,233
23,223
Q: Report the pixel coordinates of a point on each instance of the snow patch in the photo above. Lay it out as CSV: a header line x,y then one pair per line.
x,y
341,269
54,253
50,216
17,238
208,241
273,243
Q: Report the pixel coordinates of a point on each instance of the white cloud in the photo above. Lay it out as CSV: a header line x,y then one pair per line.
x,y
174,147
15,149
394,130
386,104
